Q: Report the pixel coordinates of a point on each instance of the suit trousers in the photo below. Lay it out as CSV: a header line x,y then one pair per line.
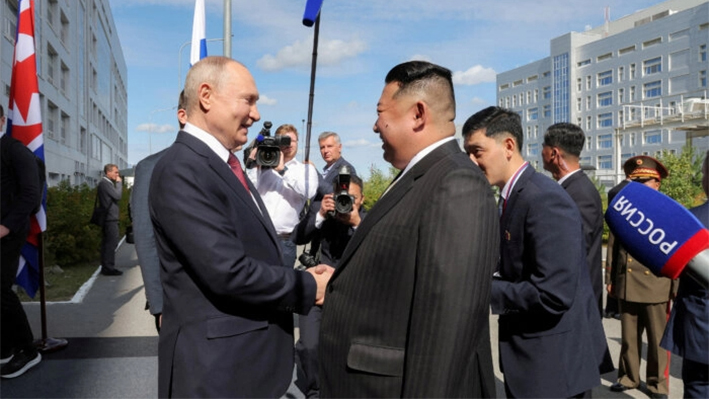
x,y
15,334
306,352
109,242
695,377
634,319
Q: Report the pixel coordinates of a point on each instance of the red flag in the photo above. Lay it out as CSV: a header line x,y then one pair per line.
x,y
25,124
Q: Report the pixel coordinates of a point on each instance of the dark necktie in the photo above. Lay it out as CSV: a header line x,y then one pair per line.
x,y
235,166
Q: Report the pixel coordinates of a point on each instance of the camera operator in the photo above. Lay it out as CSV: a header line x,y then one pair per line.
x,y
333,229
284,188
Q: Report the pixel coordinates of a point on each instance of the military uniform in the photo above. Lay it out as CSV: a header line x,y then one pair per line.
x,y
644,302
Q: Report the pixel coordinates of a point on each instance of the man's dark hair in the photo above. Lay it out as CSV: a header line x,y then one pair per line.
x,y
2,111
353,179
416,76
567,136
495,121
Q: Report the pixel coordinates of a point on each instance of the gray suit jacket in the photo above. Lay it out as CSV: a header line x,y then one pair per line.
x,y
143,232
406,312
109,194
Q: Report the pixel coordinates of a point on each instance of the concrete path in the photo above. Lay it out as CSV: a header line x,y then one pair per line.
x,y
112,351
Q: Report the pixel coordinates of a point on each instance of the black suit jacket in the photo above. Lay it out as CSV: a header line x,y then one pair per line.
x,y
550,336
406,312
227,326
332,235
588,200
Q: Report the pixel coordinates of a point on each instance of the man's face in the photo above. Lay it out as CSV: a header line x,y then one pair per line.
x,y
356,191
490,155
330,150
290,151
652,183
390,125
113,173
233,107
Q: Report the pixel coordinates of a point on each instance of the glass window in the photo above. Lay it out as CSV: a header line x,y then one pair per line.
x,y
547,92
653,89
653,65
605,119
632,71
533,114
703,52
620,95
605,99
605,162
605,78
653,137
547,108
605,141
533,149
702,78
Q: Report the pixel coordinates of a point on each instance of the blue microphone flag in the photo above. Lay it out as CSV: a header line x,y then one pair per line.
x,y
312,9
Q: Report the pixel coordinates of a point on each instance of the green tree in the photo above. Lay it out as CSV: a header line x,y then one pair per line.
x,y
377,183
684,183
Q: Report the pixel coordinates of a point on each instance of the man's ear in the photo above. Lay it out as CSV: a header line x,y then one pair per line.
x,y
420,111
204,96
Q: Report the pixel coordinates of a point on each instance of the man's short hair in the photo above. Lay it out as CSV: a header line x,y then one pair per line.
x,y
210,70
567,136
285,128
109,167
425,77
2,111
325,135
496,121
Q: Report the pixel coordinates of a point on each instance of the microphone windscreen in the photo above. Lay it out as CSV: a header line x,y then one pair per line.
x,y
312,9
655,229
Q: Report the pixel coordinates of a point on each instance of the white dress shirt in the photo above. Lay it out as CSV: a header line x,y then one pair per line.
x,y
285,196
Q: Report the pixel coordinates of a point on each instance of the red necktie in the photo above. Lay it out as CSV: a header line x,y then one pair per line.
x,y
238,172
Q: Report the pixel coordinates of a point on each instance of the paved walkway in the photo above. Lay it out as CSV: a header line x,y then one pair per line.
x,y
112,351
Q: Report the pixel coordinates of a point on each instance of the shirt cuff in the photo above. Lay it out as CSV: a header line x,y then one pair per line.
x,y
319,219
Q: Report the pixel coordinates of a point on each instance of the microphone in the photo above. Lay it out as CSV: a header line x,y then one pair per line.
x,y
659,232
312,9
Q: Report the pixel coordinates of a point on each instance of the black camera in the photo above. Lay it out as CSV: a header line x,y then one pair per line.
x,y
344,202
307,260
268,149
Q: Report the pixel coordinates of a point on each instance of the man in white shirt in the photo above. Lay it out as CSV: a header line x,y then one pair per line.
x,y
285,189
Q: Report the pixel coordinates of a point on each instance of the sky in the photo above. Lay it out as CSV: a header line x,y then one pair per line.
x,y
359,42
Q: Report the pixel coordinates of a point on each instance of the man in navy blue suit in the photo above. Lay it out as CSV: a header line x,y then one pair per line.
x,y
552,343
687,331
227,323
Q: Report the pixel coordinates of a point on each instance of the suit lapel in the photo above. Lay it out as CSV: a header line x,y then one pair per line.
x,y
222,169
385,204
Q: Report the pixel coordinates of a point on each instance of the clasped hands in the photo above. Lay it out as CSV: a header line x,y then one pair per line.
x,y
322,274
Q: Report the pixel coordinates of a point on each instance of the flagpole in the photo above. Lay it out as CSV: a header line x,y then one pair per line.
x,y
311,98
46,344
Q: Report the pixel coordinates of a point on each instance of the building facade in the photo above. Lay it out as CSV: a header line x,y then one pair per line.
x,y
636,86
82,83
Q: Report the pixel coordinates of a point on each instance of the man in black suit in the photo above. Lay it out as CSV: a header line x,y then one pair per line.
x,y
551,340
227,324
407,308
331,152
20,193
145,246
333,230
561,150
110,191
612,310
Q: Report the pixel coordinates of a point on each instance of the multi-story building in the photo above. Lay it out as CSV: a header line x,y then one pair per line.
x,y
82,83
636,85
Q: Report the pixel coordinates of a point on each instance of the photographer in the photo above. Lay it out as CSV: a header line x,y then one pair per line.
x,y
284,187
333,229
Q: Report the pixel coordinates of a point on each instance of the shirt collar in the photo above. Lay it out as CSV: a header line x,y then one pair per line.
x,y
507,189
563,179
421,154
209,140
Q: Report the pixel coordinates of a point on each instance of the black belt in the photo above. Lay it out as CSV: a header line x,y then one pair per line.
x,y
284,235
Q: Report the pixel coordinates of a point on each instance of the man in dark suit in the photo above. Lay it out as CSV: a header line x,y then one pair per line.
x,y
331,152
145,246
561,150
110,191
20,194
687,331
407,308
551,340
227,324
333,230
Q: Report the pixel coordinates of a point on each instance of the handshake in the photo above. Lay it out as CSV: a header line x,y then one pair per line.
x,y
322,274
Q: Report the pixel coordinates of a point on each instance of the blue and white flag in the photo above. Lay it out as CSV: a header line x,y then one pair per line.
x,y
199,36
